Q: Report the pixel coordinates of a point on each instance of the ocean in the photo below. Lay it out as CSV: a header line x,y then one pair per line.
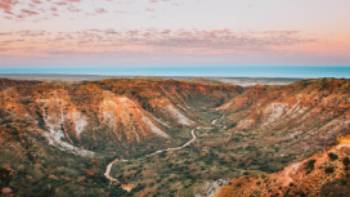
x,y
196,71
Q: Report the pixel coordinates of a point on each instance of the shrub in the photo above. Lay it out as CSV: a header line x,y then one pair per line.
x,y
332,156
346,162
329,169
310,166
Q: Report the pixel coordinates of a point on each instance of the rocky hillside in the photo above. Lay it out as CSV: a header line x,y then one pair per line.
x,y
324,174
56,138
294,121
94,116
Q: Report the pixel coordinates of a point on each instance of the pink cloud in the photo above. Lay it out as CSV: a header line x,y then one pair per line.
x,y
36,1
13,9
43,9
28,12
100,10
7,5
195,42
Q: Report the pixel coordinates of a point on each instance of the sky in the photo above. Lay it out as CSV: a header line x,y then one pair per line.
x,y
173,33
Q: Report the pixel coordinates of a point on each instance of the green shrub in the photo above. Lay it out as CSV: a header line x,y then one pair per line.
x,y
332,156
310,166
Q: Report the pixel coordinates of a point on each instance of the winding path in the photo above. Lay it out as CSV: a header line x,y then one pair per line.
x,y
108,170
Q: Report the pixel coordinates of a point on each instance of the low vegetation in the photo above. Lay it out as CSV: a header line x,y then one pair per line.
x,y
246,132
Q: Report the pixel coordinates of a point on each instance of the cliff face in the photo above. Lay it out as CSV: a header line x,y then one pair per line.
x,y
77,116
289,106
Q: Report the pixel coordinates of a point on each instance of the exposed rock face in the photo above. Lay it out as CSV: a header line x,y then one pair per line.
x,y
62,120
121,112
316,107
172,111
73,117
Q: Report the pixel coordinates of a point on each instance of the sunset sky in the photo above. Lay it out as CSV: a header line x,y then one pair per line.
x,y
79,33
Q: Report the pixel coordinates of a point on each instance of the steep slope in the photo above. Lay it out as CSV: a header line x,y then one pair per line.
x,y
324,174
80,117
123,112
282,124
280,106
293,121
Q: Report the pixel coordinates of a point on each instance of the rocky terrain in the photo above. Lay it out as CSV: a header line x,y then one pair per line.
x,y
324,174
60,138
